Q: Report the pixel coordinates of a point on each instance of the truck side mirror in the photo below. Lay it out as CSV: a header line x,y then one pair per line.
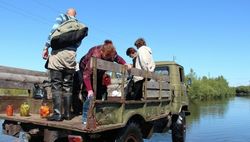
x,y
189,82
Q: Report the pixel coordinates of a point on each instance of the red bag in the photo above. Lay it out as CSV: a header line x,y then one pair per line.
x,y
106,80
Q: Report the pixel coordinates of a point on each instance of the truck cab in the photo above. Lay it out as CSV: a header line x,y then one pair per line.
x,y
177,80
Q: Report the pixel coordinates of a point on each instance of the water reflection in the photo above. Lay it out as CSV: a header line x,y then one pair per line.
x,y
220,121
216,121
207,109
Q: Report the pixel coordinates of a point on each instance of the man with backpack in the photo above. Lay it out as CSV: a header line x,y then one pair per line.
x,y
61,64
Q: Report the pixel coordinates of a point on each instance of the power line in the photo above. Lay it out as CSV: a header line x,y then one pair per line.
x,y
40,3
22,12
46,6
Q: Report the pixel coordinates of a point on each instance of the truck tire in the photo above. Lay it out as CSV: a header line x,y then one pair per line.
x,y
179,129
131,133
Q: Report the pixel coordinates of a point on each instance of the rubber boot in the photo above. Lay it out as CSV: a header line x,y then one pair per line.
x,y
57,107
67,100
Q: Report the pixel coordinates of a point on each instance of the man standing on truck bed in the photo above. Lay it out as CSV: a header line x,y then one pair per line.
x,y
61,64
144,61
106,52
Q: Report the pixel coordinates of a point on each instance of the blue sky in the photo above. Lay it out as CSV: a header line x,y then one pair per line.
x,y
210,36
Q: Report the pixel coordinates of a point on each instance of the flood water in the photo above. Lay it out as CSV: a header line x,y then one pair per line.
x,y
217,121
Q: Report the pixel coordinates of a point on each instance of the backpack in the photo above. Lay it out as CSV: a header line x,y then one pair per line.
x,y
39,92
68,33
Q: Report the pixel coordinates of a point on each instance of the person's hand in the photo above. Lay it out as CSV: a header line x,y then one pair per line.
x,y
80,96
45,53
90,94
129,66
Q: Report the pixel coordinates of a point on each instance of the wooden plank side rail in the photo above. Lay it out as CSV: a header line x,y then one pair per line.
x,y
151,75
158,87
110,66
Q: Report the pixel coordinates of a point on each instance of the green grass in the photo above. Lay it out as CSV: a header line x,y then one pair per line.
x,y
13,92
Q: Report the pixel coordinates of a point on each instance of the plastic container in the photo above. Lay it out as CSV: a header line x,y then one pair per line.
x,y
85,109
44,110
9,110
25,109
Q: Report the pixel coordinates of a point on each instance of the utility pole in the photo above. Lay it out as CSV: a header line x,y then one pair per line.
x,y
174,58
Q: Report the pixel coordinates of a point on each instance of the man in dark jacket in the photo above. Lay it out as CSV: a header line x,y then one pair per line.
x,y
61,64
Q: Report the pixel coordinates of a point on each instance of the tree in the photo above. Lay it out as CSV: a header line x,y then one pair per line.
x,y
206,88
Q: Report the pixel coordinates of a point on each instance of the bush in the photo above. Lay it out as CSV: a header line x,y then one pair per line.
x,y
242,90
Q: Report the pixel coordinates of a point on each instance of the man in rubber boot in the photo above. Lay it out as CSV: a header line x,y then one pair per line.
x,y
61,64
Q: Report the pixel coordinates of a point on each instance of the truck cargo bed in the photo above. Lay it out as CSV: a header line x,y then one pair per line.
x,y
74,124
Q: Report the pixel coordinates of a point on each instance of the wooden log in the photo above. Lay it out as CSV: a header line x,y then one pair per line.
x,y
13,70
22,77
15,85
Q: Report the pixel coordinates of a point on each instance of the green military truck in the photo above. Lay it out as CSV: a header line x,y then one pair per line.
x,y
164,107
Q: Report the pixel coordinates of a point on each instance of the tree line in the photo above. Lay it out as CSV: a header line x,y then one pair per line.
x,y
243,91
206,88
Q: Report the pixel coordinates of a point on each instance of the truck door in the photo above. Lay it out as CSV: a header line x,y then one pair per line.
x,y
182,81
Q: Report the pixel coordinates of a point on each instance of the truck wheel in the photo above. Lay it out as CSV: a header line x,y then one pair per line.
x,y
131,133
179,129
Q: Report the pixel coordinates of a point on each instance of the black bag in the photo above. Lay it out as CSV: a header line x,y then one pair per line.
x,y
39,92
67,34
129,90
